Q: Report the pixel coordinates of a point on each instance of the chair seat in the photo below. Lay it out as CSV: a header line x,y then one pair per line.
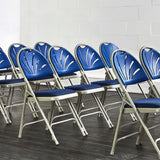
x,y
68,74
53,92
5,71
146,103
11,81
41,78
106,82
83,87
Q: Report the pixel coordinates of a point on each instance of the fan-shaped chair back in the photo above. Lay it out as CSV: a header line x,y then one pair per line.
x,y
13,51
128,68
4,61
63,61
150,59
106,50
89,59
43,48
33,64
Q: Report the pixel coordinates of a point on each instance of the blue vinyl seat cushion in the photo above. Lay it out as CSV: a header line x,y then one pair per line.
x,y
83,87
53,92
146,103
11,81
5,71
41,78
68,74
106,82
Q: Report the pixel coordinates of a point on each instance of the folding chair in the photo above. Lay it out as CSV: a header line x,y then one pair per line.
x,y
149,59
106,49
63,62
9,84
33,65
89,60
12,53
43,48
129,72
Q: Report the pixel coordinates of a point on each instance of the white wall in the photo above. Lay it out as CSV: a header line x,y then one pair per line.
x,y
130,24
9,23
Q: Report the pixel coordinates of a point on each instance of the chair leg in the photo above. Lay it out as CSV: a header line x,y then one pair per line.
x,y
33,110
103,111
50,113
58,104
79,103
10,98
103,96
60,108
141,130
77,118
117,130
22,115
134,118
148,133
4,112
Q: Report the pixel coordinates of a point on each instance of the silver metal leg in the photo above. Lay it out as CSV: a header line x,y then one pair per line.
x,y
79,103
22,115
58,104
117,130
104,113
77,118
33,109
141,130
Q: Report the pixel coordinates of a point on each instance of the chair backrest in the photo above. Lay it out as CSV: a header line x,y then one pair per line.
x,y
4,61
13,51
33,64
43,48
150,59
127,69
88,58
62,60
106,50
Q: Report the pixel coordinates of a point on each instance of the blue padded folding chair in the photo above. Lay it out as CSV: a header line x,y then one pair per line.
x,y
33,65
7,83
150,60
106,49
129,72
43,48
89,60
12,53
63,62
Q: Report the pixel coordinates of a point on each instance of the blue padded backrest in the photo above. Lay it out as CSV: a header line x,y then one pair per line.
x,y
13,51
4,61
128,68
106,51
43,48
34,64
89,58
63,61
151,60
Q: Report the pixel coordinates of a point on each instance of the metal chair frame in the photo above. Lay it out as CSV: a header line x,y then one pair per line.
x,y
133,109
